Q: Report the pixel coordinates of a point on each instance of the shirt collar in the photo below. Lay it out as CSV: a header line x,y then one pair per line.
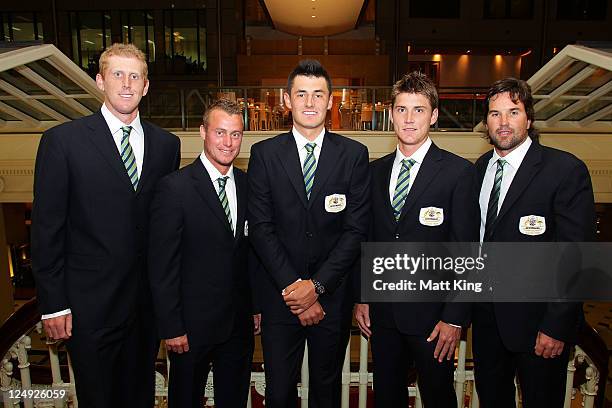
x,y
301,141
417,156
515,157
114,124
213,172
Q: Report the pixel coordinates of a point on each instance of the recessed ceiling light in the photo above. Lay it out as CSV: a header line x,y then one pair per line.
x,y
313,16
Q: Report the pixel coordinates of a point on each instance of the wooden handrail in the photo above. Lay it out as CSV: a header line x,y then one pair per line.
x,y
594,346
18,324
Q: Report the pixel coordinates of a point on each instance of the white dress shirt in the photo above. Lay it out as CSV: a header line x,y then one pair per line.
x,y
301,142
417,156
137,143
230,186
136,135
513,162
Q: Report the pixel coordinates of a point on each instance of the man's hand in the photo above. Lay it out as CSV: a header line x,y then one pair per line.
x,y
313,315
256,324
548,347
58,328
178,344
362,315
447,340
300,295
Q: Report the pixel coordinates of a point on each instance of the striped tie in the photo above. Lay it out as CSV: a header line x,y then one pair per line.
x,y
127,155
493,206
401,188
223,197
310,165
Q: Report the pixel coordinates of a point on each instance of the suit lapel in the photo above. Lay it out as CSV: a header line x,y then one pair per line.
x,y
383,179
429,169
481,167
330,152
103,140
290,161
525,173
149,155
241,188
205,188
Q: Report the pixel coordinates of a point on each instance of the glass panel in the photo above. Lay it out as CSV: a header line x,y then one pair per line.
x,y
134,29
438,9
61,108
94,34
23,26
90,103
456,112
581,10
184,37
562,76
588,110
150,37
60,80
22,83
28,110
7,117
599,78
163,108
514,9
552,109
203,59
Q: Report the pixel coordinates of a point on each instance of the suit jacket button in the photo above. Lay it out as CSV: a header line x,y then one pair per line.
x,y
397,236
309,234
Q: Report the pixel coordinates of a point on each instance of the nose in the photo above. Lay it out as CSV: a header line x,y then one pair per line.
x,y
309,100
504,119
126,82
227,140
408,117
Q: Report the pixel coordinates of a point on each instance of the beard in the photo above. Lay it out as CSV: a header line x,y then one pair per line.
x,y
507,143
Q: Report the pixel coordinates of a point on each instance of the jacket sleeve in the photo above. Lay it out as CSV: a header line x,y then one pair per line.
x,y
164,258
49,221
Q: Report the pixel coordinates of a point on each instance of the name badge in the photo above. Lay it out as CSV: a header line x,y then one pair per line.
x,y
431,216
246,228
335,203
532,225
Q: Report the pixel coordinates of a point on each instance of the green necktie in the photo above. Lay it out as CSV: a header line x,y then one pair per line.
x,y
493,206
223,197
310,165
127,155
401,188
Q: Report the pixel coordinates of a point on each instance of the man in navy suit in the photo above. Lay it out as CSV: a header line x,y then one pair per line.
x,y
520,180
93,184
408,185
309,210
199,276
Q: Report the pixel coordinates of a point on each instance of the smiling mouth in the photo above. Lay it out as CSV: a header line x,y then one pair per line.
x,y
126,96
310,113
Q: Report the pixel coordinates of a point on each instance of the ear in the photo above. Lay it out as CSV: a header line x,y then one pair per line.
x,y
528,125
434,117
146,87
287,99
203,132
100,82
330,103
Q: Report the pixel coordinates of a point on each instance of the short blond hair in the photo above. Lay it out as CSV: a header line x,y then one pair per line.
x,y
223,104
123,50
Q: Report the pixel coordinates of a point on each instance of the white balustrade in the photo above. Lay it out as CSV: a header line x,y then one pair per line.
x,y
17,357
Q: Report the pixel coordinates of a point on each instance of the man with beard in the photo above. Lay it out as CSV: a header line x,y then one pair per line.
x,y
520,178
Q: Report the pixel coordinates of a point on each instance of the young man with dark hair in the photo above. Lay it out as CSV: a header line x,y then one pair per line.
x,y
418,178
520,179
198,268
309,213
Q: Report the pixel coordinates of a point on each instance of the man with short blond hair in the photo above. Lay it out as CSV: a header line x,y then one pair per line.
x,y
198,260
93,183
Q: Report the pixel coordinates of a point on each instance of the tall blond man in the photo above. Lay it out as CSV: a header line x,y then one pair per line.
x,y
93,184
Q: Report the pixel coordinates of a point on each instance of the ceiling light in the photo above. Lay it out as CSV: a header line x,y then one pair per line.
x,y
313,16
